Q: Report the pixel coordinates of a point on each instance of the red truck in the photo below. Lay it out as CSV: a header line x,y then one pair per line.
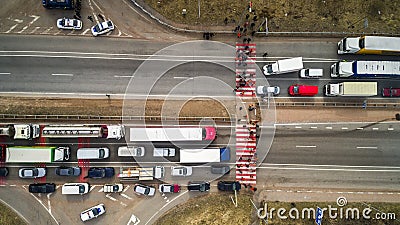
x,y
303,90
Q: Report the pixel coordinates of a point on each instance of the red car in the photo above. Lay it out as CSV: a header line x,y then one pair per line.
x,y
391,92
303,90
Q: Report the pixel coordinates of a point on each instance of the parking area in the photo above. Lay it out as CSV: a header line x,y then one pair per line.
x,y
31,18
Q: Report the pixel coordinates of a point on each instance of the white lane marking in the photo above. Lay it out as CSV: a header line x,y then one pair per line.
x,y
123,76
48,202
306,146
108,196
62,74
314,127
84,32
34,19
18,21
367,147
47,30
101,190
126,188
297,127
189,78
345,128
91,188
5,73
375,128
390,128
329,128
126,196
11,28
360,128
34,30
23,29
122,203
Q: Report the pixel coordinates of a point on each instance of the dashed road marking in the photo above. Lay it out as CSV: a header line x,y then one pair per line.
x,y
375,128
360,128
5,73
18,21
112,198
47,30
367,147
62,74
314,127
345,128
118,76
390,128
297,127
306,146
23,29
329,128
126,196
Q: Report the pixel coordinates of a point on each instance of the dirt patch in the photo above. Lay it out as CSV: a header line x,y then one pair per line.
x,y
108,107
285,15
216,209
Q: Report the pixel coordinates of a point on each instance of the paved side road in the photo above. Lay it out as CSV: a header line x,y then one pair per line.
x,y
30,17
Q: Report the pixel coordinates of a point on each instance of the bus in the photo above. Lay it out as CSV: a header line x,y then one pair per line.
x,y
377,45
172,133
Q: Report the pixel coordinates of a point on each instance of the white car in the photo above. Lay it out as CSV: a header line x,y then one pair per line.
x,y
102,28
93,212
181,171
32,172
113,188
69,24
264,90
144,190
133,151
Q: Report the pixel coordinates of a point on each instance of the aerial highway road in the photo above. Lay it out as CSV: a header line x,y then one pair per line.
x,y
95,67
358,156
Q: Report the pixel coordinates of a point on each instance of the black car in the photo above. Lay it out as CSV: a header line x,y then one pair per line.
x,y
198,186
100,172
42,188
68,171
229,185
3,171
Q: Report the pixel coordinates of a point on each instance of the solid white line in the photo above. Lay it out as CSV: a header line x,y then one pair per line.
x,y
124,76
306,146
367,147
62,74
12,28
188,78
108,196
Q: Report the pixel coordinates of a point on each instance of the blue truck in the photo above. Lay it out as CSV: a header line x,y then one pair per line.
x,y
367,69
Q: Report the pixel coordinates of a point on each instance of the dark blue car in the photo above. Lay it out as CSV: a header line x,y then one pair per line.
x,y
100,172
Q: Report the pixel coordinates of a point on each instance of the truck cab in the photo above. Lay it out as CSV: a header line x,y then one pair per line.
x,y
26,131
303,90
348,45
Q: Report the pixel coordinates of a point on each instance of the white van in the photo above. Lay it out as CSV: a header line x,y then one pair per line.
x,y
311,73
130,151
93,153
75,188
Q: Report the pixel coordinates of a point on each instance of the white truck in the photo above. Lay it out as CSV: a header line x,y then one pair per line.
x,y
365,69
142,173
284,66
355,89
21,131
159,133
164,152
204,155
37,154
369,45
75,131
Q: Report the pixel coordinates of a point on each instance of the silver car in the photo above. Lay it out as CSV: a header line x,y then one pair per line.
x,y
32,172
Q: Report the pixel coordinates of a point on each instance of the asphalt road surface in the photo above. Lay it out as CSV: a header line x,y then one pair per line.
x,y
44,65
